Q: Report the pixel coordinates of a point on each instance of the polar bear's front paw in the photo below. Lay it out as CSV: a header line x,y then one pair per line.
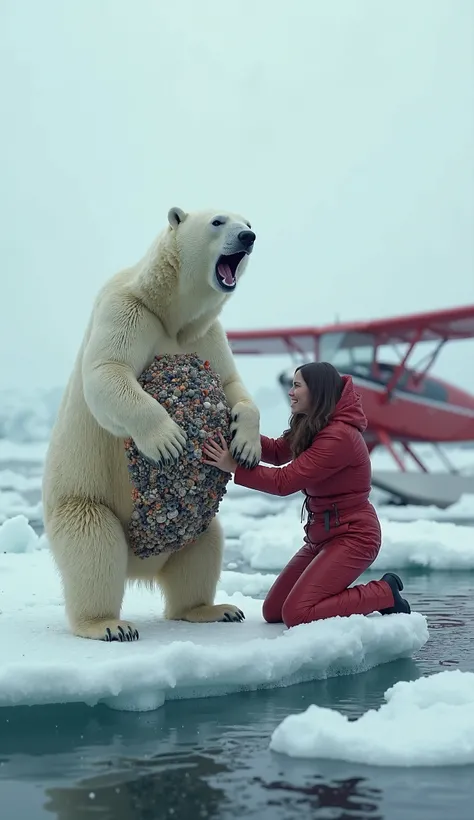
x,y
107,630
245,429
164,445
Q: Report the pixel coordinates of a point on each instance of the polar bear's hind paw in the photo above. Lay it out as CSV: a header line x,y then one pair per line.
x,y
121,635
238,615
107,630
212,614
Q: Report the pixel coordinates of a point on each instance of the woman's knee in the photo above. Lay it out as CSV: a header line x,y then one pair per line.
x,y
295,617
302,608
293,614
271,611
290,616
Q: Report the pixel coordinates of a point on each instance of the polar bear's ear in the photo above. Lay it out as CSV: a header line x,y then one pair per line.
x,y
176,216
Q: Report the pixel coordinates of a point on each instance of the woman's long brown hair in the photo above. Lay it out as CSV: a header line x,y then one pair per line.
x,y
325,388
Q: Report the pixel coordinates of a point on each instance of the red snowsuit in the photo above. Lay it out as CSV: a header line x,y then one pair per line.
x,y
342,533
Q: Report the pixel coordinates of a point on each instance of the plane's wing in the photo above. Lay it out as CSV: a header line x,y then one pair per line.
x,y
447,325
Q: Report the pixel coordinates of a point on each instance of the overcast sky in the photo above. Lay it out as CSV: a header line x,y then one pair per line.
x,y
343,129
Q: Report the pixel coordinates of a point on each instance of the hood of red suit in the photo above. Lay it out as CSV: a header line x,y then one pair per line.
x,y
349,407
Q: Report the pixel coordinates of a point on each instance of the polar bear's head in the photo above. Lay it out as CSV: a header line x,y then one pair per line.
x,y
213,249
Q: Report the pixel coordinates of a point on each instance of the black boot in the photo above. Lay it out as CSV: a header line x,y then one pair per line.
x,y
396,585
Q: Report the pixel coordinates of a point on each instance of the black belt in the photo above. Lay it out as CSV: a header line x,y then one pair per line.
x,y
326,517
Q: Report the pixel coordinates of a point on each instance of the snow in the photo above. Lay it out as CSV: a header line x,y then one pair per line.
x,y
425,544
268,544
426,722
255,583
461,510
10,480
43,663
462,458
12,504
12,451
267,532
17,536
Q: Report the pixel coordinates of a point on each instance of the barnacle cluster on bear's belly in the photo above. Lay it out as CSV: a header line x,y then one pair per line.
x,y
173,505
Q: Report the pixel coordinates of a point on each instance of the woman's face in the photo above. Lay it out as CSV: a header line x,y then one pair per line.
x,y
300,399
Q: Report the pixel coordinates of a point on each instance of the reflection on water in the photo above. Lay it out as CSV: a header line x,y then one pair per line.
x,y
352,797
172,785
209,758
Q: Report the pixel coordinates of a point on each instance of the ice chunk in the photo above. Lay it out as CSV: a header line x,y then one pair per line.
x,y
13,504
247,583
11,480
271,547
417,544
425,544
43,663
11,451
16,535
461,510
427,722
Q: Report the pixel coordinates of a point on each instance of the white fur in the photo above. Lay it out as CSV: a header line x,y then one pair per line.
x,y
167,303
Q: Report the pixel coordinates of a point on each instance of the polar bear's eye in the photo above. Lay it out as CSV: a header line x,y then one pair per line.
x,y
217,222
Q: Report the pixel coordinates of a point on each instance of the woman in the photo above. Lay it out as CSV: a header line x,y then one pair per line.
x,y
330,464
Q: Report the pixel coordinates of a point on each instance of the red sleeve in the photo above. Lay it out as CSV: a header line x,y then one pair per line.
x,y
275,450
328,454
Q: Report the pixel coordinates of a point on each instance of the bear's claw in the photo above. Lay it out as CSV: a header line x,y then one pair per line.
x,y
166,443
159,463
234,616
248,462
210,614
129,635
107,630
244,457
245,446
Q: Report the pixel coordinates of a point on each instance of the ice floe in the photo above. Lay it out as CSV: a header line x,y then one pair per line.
x,y
43,663
426,722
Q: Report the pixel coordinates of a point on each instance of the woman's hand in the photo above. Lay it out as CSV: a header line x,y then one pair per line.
x,y
219,456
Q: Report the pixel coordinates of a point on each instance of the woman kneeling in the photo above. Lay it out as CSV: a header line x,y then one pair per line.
x,y
328,460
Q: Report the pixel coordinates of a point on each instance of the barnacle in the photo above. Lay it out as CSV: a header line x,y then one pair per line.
x,y
174,504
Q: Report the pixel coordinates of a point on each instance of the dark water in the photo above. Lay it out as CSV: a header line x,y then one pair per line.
x,y
209,758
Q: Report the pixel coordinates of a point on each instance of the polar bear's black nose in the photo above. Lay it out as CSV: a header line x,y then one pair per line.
x,y
247,238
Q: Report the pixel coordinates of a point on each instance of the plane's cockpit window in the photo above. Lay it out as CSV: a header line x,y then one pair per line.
x,y
353,353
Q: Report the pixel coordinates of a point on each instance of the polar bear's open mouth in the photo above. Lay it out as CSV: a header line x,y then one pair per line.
x,y
226,268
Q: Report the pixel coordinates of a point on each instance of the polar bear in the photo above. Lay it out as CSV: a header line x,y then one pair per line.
x,y
169,302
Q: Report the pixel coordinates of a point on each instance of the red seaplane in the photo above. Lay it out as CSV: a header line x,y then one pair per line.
x,y
403,404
